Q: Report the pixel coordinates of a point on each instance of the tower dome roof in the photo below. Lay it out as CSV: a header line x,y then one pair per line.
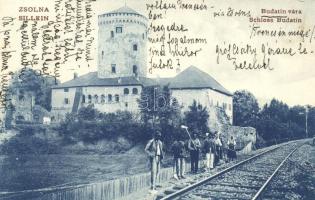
x,y
124,9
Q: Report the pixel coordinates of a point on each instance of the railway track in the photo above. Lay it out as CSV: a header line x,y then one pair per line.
x,y
245,180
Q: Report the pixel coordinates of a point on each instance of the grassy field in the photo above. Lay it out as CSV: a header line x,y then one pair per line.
x,y
39,171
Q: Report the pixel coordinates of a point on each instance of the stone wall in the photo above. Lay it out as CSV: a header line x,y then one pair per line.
x,y
243,135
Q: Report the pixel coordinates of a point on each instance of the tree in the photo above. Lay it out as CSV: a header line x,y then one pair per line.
x,y
88,113
159,110
311,121
277,110
196,118
245,108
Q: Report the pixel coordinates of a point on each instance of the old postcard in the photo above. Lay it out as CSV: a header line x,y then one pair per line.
x,y
157,99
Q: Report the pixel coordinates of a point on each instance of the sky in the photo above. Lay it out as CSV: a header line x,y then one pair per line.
x,y
292,78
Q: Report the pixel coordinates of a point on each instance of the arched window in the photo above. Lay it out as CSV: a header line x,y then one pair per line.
x,y
83,98
135,47
110,98
126,91
116,97
95,98
89,98
102,98
134,90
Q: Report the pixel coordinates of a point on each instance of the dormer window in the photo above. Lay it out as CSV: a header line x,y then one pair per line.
x,y
118,29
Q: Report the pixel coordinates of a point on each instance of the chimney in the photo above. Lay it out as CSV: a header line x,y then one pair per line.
x,y
75,75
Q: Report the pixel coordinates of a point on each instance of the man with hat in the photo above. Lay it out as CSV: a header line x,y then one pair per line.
x,y
154,149
209,149
194,147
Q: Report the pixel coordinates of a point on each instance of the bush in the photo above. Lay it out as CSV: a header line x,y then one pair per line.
x,y
23,144
90,126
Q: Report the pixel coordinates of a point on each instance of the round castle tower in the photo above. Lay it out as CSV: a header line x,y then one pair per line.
x,y
122,38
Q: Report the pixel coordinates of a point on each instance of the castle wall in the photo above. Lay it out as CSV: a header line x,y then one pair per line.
x,y
99,96
206,97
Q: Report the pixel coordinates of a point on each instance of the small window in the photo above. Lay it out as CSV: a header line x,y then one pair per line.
x,y
113,68
83,98
134,91
102,54
112,34
66,89
126,104
135,70
89,98
116,97
174,102
21,97
126,91
66,100
142,35
102,98
135,47
20,117
95,99
110,98
119,29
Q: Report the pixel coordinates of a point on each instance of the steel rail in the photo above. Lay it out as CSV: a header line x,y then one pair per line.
x,y
260,191
190,187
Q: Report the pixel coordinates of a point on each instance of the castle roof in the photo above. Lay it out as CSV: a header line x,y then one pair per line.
x,y
124,9
190,78
91,79
194,78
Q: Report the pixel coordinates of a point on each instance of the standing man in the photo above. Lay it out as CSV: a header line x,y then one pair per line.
x,y
194,147
218,145
231,151
154,149
209,149
178,149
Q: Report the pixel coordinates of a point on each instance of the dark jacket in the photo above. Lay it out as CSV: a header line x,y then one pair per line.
x,y
151,148
178,149
209,146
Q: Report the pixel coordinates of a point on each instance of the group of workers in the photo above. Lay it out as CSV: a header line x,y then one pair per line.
x,y
211,148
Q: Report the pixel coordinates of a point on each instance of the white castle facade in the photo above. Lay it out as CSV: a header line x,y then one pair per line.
x,y
122,74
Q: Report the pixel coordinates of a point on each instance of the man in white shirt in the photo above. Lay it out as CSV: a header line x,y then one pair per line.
x,y
154,149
